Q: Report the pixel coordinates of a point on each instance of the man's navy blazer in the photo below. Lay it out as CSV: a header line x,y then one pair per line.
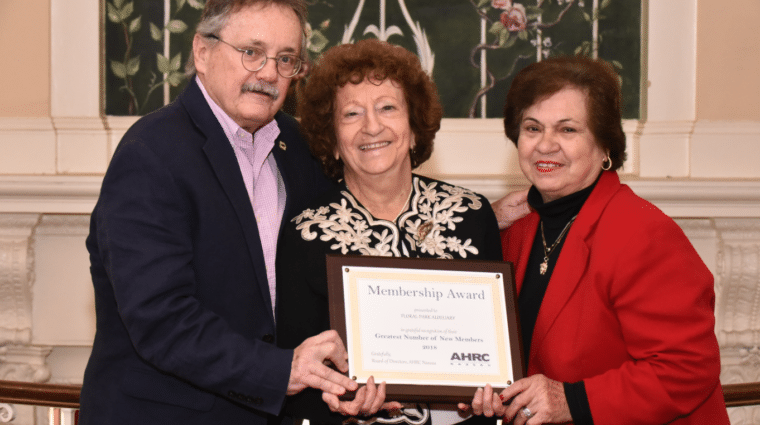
x,y
185,329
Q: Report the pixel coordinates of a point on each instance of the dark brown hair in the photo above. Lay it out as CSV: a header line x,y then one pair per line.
x,y
594,76
353,63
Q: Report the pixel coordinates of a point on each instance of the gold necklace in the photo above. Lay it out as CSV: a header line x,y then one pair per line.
x,y
547,251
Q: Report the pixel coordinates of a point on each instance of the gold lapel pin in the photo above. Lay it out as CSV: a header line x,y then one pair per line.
x,y
282,146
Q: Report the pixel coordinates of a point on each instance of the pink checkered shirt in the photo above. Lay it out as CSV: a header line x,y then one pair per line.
x,y
263,181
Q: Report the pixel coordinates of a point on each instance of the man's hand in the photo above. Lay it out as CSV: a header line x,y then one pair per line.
x,y
309,370
368,400
511,208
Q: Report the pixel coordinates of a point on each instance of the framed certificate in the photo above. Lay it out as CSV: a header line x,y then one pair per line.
x,y
433,330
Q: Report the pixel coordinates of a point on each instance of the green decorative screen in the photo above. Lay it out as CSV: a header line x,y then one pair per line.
x,y
472,48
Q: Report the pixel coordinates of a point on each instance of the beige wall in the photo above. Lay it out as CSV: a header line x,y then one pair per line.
x,y
25,53
728,60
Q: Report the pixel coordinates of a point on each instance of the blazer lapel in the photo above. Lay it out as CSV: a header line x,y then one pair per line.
x,y
526,242
573,260
566,277
222,158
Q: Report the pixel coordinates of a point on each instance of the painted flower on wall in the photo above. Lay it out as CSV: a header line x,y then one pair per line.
x,y
501,4
145,45
315,38
515,19
134,74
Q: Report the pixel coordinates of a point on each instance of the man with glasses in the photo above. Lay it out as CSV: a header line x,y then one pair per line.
x,y
183,238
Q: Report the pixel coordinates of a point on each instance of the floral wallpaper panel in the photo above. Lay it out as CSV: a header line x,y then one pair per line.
x,y
472,48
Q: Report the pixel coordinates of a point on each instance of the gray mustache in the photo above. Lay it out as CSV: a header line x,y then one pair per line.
x,y
262,87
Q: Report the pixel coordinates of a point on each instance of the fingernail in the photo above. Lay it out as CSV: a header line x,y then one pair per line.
x,y
501,397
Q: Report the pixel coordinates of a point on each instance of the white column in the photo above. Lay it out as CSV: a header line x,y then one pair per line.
x,y
76,78
670,40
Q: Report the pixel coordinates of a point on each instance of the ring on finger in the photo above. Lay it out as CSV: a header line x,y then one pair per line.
x,y
528,414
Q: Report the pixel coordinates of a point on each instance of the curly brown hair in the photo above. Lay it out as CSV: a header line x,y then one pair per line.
x,y
353,63
596,77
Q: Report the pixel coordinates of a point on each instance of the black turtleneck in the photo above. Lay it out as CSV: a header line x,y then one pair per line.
x,y
555,215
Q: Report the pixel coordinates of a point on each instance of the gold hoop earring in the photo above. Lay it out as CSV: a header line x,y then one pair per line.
x,y
609,163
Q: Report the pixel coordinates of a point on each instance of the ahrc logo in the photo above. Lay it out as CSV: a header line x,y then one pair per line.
x,y
472,357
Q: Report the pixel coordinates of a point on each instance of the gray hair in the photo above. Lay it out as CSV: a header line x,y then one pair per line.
x,y
216,13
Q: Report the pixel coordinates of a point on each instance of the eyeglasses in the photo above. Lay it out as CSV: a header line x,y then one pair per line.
x,y
254,59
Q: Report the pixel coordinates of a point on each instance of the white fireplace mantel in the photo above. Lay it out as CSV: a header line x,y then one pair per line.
x,y
60,194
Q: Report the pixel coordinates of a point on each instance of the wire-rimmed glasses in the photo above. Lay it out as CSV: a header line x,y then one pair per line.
x,y
254,59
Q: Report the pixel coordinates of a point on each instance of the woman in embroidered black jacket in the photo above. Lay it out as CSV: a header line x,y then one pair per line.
x,y
370,114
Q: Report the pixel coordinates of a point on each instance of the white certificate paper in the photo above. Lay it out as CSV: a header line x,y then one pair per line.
x,y
427,327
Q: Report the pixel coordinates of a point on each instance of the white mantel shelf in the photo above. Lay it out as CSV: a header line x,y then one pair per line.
x,y
57,194
76,194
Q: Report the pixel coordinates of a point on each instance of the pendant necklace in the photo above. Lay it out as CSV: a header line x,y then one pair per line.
x,y
547,251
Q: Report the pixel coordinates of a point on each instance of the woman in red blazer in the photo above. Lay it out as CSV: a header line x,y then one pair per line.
x,y
616,306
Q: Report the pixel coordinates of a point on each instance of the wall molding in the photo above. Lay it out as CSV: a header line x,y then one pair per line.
x,y
724,149
63,225
16,277
700,198
738,281
27,146
26,363
49,194
737,311
10,126
463,147
676,197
